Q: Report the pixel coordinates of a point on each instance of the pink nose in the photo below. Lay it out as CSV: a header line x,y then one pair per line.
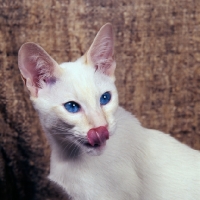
x,y
98,136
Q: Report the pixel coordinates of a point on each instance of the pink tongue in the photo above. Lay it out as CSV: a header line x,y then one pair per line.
x,y
98,136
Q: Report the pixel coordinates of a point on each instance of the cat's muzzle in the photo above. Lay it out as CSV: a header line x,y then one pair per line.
x,y
98,136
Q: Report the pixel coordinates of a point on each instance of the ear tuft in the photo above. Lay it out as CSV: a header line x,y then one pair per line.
x,y
36,66
101,53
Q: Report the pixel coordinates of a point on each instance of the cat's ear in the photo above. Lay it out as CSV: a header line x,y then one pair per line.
x,y
37,67
101,52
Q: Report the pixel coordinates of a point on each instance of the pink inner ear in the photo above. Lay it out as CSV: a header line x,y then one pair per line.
x,y
101,52
42,71
102,49
101,55
36,66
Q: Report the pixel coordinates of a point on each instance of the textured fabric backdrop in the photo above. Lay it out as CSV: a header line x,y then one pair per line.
x,y
158,74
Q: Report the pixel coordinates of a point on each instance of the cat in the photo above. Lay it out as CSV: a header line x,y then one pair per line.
x,y
99,150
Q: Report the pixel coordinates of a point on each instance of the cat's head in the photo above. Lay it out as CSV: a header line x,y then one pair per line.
x,y
76,101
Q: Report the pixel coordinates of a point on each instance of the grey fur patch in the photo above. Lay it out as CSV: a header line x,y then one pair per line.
x,y
62,134
60,128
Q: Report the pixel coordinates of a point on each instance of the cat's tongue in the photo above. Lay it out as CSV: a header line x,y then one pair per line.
x,y
98,136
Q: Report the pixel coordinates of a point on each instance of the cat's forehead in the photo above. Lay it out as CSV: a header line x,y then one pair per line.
x,y
82,75
81,80
77,76
77,71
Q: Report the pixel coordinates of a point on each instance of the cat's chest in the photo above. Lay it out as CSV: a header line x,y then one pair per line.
x,y
96,180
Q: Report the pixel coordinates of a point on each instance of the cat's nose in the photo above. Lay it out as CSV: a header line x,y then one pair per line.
x,y
98,136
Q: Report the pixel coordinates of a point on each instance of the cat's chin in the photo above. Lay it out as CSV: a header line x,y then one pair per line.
x,y
96,150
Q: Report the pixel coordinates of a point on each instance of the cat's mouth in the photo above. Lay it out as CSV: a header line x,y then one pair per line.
x,y
97,137
96,140
88,145
96,149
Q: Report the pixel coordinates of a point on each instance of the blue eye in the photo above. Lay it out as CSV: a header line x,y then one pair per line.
x,y
105,98
72,107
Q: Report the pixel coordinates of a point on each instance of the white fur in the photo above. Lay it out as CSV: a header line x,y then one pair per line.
x,y
136,163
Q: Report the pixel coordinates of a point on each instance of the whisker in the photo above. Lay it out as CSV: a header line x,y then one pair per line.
x,y
74,149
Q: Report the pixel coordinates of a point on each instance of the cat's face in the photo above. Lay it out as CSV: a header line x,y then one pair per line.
x,y
81,84
76,101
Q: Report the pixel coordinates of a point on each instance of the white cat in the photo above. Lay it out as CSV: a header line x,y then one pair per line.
x,y
99,150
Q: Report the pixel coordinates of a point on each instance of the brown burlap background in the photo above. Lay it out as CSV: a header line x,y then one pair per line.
x,y
158,74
